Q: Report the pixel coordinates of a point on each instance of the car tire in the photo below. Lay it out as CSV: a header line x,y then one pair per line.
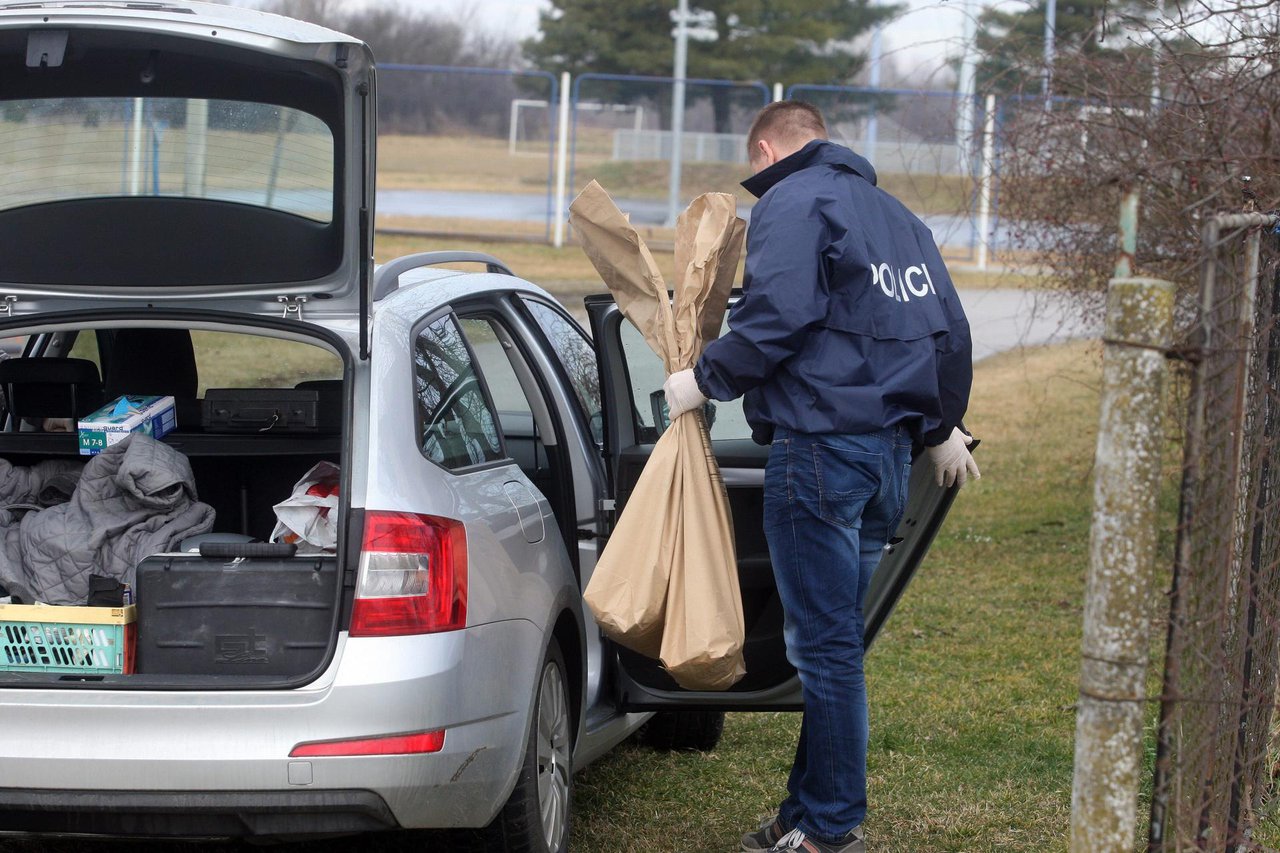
x,y
537,816
683,731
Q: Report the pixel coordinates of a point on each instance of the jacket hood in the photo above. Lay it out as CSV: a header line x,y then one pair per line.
x,y
819,152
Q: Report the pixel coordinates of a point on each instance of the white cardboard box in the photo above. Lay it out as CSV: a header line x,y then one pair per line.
x,y
153,416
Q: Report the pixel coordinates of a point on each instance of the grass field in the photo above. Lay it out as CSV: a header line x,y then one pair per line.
x,y
481,164
567,272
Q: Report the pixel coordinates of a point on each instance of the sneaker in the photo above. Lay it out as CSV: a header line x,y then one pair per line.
x,y
770,833
796,841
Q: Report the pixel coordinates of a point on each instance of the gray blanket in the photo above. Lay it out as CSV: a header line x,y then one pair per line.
x,y
134,499
43,484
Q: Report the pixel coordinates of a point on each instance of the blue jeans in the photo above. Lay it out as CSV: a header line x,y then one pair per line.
x,y
831,502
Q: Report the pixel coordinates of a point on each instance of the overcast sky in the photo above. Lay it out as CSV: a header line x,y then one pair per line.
x,y
920,41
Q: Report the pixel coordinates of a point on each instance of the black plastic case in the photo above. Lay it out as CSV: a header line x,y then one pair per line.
x,y
199,616
278,410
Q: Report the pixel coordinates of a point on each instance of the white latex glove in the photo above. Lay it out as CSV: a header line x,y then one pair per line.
x,y
952,462
682,393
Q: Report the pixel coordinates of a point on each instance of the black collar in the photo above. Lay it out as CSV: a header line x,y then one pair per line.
x,y
818,152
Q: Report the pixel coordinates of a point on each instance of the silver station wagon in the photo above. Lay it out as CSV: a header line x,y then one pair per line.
x,y
186,208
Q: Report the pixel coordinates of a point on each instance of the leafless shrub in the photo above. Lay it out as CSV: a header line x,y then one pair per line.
x,y
1187,110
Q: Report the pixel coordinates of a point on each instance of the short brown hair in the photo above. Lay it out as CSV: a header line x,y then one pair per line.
x,y
787,121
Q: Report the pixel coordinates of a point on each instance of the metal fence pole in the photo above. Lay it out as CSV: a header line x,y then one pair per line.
x,y
1128,232
873,120
197,133
677,112
984,183
562,161
1118,591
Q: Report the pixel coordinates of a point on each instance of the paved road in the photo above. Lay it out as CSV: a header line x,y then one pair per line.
x,y
1001,319
1007,319
954,231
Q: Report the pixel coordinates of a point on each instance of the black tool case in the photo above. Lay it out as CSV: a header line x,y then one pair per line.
x,y
277,410
214,616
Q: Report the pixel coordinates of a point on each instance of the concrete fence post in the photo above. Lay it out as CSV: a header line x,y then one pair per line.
x,y
1120,583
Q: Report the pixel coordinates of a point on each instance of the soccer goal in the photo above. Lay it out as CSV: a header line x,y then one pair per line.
x,y
527,137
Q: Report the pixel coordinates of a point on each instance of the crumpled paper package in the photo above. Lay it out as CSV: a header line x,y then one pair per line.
x,y
666,584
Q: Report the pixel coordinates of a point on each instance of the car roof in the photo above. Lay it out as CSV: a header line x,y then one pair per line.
x,y
424,289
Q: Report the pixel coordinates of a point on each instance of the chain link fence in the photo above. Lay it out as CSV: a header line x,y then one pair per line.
x,y
466,150
1215,762
926,148
475,151
623,136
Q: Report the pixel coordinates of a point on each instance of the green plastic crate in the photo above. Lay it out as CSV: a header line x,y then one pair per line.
x,y
87,640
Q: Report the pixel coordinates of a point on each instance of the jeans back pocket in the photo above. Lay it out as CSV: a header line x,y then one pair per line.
x,y
847,480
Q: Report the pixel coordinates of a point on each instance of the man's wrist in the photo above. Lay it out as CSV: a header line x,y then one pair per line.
x,y
939,436
936,437
702,386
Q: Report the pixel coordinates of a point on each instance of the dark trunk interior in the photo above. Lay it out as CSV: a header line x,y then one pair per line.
x,y
240,481
244,621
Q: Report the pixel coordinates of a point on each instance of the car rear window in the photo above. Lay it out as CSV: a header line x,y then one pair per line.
x,y
60,149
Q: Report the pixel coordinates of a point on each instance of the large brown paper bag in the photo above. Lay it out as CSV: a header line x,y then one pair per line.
x,y
666,584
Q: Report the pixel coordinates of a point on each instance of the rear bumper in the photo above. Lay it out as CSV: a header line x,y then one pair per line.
x,y
217,763
195,814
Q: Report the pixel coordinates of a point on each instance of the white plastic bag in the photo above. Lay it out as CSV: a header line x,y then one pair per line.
x,y
308,518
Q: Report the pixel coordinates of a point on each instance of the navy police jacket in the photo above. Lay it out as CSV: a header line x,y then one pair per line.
x,y
848,322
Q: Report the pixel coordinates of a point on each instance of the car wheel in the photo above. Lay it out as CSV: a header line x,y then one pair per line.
x,y
684,730
537,816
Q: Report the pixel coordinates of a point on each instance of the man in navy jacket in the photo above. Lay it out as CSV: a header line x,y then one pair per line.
x,y
848,345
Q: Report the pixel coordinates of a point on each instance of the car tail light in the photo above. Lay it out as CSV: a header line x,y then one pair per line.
x,y
392,745
413,576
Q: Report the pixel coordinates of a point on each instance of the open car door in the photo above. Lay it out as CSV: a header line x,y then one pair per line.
x,y
634,413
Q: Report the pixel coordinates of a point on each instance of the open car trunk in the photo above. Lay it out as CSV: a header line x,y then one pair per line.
x,y
220,607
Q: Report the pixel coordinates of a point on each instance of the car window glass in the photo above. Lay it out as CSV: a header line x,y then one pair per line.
x,y
646,375
457,427
235,360
232,360
86,346
578,358
59,149
495,367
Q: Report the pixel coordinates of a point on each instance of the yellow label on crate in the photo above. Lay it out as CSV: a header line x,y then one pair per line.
x,y
66,613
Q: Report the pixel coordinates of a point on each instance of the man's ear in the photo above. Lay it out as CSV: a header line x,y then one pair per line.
x,y
768,154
